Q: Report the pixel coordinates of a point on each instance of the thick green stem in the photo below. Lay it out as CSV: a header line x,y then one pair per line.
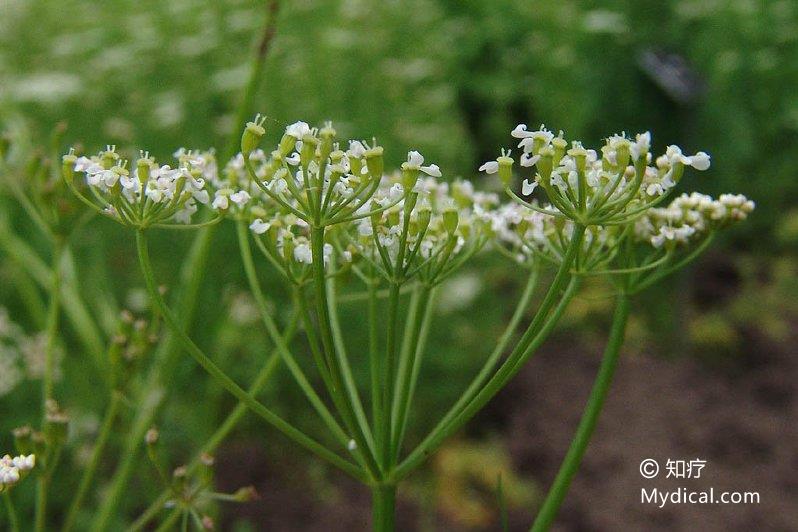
x,y
225,381
343,400
589,419
383,507
94,461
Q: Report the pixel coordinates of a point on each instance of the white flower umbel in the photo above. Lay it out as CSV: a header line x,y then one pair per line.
x,y
609,186
148,194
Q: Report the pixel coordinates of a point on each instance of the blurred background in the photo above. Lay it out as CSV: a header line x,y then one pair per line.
x,y
709,368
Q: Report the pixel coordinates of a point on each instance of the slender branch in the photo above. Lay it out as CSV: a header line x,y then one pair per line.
x,y
227,426
538,330
589,419
91,468
225,381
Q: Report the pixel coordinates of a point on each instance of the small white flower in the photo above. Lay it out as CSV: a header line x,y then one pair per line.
x,y
699,161
641,145
527,161
520,132
490,167
240,198
221,201
303,254
259,227
527,187
297,130
415,161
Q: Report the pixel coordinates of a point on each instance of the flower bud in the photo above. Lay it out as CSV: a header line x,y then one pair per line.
x,y
424,217
374,161
308,151
253,132
68,165
546,164
109,157
246,494
143,167
505,169
450,220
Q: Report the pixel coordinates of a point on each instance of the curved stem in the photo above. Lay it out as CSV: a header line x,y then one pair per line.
x,y
282,348
225,381
589,419
494,357
225,428
94,461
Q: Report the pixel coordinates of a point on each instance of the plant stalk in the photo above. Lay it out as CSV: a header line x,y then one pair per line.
x,y
587,424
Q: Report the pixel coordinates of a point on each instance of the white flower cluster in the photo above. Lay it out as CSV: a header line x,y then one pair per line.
x,y
689,217
531,235
149,193
593,186
12,469
431,229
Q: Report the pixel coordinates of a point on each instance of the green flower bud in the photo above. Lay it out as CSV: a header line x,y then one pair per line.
x,y
253,132
68,166
308,151
424,217
374,161
143,167
450,220
545,164
109,157
505,169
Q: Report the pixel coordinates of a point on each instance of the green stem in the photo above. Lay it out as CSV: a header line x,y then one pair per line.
x,y
51,332
13,520
483,375
94,461
418,315
589,419
375,363
387,383
282,348
340,349
538,330
225,428
343,400
383,507
171,520
225,381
